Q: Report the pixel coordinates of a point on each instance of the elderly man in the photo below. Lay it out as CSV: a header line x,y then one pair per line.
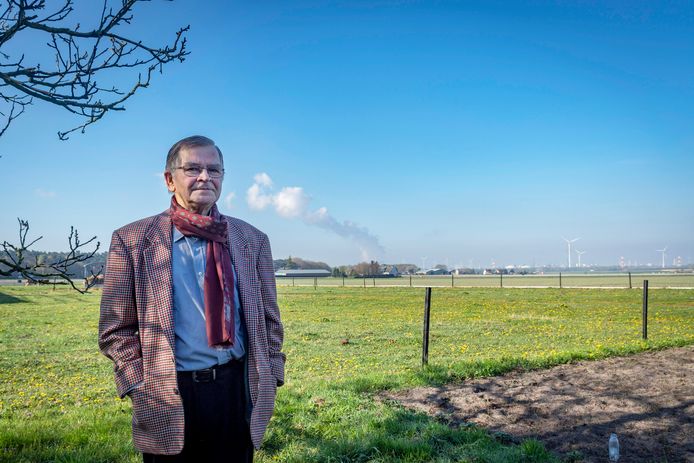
x,y
189,317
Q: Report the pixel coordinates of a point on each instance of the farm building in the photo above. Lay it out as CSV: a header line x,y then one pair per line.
x,y
390,271
304,273
433,271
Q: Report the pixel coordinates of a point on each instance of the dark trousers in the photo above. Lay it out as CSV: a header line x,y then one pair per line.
x,y
216,418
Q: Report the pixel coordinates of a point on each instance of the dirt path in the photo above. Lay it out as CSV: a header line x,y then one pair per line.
x,y
647,399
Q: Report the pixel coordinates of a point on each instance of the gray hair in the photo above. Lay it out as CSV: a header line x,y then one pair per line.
x,y
194,141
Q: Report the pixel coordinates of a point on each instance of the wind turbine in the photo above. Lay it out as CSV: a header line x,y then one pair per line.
x,y
568,244
662,251
580,253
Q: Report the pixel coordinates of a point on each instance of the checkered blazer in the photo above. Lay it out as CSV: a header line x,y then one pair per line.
x,y
136,328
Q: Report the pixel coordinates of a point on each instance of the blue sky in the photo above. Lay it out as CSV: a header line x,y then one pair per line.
x,y
430,132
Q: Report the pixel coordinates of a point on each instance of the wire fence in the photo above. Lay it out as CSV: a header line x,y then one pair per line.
x,y
559,280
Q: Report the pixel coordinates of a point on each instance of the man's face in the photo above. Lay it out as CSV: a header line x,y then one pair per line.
x,y
197,193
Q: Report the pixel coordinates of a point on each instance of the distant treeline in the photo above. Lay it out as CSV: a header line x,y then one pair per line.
x,y
372,268
46,258
297,263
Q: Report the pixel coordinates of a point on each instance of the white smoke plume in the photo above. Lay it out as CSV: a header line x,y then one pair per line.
x,y
293,203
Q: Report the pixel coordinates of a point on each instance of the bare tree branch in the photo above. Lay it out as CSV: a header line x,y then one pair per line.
x,y
80,57
13,261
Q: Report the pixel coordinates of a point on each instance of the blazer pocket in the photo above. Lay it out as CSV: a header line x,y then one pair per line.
x,y
128,375
277,367
143,410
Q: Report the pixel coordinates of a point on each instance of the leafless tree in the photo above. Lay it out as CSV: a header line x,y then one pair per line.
x,y
79,56
72,78
13,261
367,268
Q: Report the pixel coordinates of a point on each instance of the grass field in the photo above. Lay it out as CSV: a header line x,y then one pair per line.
x,y
571,280
57,399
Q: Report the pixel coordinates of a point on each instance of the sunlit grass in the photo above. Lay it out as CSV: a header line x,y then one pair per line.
x,y
57,399
469,328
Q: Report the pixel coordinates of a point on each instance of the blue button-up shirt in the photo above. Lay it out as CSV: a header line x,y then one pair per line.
x,y
192,352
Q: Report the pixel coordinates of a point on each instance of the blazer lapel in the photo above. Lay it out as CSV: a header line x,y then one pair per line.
x,y
244,263
157,259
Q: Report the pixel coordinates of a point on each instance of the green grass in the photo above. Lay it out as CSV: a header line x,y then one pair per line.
x,y
57,399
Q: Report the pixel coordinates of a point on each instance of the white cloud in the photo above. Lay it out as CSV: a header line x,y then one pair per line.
x,y
290,202
256,199
293,203
229,200
41,193
263,179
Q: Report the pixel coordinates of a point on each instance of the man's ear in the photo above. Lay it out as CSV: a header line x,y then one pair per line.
x,y
168,178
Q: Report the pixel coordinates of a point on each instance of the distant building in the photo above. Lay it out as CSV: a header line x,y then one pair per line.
x,y
390,271
496,271
438,271
306,273
433,271
464,271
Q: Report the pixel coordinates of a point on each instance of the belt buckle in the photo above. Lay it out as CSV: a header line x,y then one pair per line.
x,y
205,376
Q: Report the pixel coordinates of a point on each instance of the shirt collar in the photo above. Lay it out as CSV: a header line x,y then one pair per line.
x,y
177,235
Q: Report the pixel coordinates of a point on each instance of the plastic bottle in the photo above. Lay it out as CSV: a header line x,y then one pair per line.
x,y
613,447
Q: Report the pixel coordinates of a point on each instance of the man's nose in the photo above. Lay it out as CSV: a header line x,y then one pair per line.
x,y
204,175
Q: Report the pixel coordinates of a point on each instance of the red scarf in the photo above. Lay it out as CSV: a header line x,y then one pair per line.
x,y
219,276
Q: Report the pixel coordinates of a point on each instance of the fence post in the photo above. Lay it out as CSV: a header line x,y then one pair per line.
x,y
629,280
343,281
315,282
410,280
374,279
427,317
644,312
364,282
452,280
292,281
559,280
502,279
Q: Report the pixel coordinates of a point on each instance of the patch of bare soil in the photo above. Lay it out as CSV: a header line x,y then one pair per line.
x,y
647,399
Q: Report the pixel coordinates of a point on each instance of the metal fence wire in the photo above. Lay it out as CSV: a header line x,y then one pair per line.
x,y
558,280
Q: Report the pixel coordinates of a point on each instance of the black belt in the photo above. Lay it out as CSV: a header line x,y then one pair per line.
x,y
207,375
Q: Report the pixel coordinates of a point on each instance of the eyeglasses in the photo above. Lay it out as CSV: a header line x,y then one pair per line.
x,y
195,171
